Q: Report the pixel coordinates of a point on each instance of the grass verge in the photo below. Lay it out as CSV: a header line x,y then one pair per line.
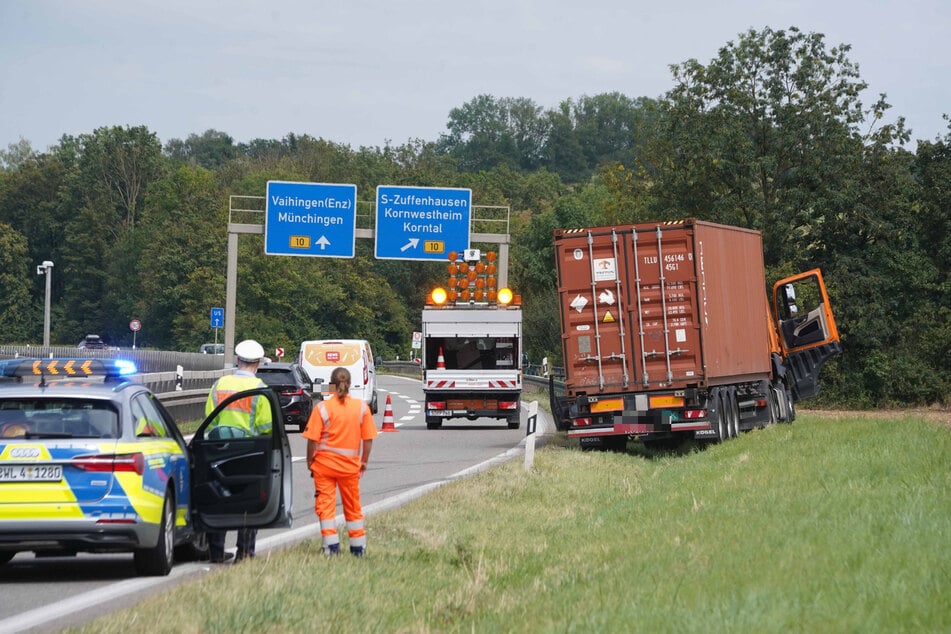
x,y
830,524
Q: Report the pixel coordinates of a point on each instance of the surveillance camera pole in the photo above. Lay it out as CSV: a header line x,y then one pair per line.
x,y
46,268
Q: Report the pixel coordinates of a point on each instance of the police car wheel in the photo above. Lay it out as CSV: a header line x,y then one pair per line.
x,y
6,556
157,561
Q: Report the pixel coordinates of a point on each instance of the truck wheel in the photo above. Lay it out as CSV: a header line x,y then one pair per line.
x,y
514,422
433,423
733,414
717,398
157,561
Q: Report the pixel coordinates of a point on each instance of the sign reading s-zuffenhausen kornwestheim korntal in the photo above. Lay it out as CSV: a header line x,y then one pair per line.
x,y
310,219
421,223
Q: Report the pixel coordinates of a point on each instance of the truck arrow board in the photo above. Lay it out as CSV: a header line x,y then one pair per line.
x,y
310,219
421,223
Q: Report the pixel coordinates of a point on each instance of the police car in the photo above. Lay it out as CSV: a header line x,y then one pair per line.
x,y
91,461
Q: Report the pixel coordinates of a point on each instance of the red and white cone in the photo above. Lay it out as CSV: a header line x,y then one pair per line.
x,y
440,361
388,416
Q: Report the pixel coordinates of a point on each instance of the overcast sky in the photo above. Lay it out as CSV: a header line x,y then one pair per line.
x,y
369,73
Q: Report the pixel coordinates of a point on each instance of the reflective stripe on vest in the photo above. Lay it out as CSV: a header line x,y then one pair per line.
x,y
323,446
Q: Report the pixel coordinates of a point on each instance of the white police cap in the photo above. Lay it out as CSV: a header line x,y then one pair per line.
x,y
249,351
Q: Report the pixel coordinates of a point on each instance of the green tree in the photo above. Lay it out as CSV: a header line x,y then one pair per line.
x,y
17,318
211,149
489,131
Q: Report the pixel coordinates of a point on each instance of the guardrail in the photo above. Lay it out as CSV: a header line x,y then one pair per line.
x,y
184,392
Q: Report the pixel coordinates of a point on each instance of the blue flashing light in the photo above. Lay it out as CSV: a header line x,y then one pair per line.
x,y
125,367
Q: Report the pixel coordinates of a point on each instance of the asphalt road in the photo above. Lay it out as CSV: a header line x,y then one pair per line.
x,y
48,594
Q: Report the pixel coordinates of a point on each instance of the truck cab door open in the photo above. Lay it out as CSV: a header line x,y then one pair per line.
x,y
806,327
244,481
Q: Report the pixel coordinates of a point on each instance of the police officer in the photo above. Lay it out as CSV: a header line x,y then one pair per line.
x,y
240,419
339,435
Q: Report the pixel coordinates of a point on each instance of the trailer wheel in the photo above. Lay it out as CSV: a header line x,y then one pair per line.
x,y
717,397
433,423
514,421
733,414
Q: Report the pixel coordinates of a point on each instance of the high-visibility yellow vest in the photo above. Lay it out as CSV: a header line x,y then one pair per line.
x,y
246,416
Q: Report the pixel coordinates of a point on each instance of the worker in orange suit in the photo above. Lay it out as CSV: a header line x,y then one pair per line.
x,y
339,435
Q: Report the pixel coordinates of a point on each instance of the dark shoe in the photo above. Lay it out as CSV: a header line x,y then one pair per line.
x,y
220,558
332,551
357,551
242,555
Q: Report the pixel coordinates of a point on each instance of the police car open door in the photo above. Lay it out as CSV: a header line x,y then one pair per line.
x,y
241,474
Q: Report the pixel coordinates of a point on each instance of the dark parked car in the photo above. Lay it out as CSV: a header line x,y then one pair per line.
x,y
93,342
294,390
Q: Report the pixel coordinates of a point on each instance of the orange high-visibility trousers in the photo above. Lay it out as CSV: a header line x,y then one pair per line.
x,y
326,484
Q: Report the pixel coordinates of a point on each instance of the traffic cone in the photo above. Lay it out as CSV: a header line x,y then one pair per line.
x,y
440,361
388,416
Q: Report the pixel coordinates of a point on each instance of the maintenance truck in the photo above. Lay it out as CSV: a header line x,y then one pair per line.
x,y
667,333
472,345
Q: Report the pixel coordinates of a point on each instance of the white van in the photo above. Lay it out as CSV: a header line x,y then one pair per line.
x,y
319,358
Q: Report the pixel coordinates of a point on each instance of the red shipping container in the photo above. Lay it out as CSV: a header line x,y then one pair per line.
x,y
661,305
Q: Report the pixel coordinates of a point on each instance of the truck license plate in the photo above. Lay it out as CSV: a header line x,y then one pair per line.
x,y
440,412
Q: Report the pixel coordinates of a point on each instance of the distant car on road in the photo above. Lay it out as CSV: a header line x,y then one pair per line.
x,y
92,342
293,388
212,348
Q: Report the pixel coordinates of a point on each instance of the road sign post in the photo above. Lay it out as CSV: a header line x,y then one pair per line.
x,y
421,223
135,325
310,219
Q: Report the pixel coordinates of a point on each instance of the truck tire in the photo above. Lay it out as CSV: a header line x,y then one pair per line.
x,y
719,424
733,413
433,423
514,422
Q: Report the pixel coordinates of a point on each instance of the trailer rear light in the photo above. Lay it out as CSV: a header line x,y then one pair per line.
x,y
761,402
508,404
132,462
582,422
436,405
668,400
607,405
692,414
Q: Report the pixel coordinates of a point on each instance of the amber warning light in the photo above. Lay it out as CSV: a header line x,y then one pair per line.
x,y
472,281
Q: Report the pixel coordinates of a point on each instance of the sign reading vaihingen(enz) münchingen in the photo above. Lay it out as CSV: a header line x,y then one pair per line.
x,y
421,223
310,219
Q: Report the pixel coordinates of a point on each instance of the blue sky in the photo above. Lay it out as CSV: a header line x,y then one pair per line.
x,y
369,73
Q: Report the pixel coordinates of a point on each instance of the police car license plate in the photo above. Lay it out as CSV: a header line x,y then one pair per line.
x,y
31,473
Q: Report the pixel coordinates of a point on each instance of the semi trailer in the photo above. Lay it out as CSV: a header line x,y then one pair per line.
x,y
667,333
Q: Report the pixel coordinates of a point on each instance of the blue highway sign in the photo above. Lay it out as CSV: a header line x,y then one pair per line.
x,y
310,219
421,223
217,317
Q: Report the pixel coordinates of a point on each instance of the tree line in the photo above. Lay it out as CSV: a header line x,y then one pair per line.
x,y
770,134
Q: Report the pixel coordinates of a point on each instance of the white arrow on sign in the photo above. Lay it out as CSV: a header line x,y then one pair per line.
x,y
323,242
410,245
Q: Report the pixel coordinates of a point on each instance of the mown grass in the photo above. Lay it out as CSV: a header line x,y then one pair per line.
x,y
828,525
